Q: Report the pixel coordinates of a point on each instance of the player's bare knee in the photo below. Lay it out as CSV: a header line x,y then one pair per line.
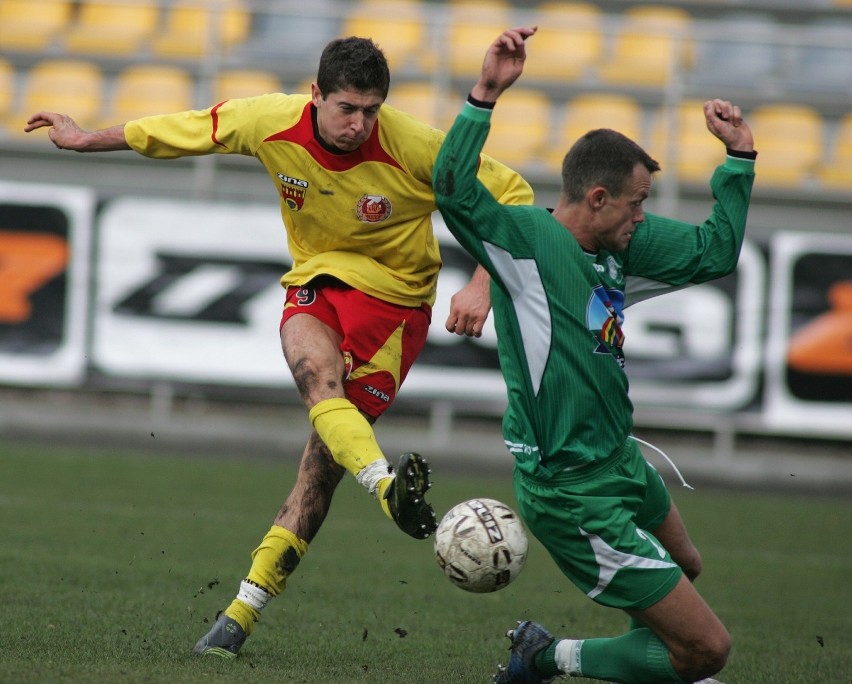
x,y
703,659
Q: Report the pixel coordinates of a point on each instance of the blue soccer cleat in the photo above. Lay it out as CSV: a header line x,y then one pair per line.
x,y
528,638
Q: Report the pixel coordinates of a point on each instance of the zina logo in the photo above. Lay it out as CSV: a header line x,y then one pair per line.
x,y
292,191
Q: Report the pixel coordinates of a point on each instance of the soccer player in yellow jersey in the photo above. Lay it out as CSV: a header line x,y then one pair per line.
x,y
354,179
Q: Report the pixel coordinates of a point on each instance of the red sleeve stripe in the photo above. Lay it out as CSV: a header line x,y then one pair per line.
x,y
214,115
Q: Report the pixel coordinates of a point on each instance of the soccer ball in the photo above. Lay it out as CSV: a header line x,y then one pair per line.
x,y
481,545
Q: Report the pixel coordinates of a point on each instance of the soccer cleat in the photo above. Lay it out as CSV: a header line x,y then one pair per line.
x,y
528,638
224,639
410,511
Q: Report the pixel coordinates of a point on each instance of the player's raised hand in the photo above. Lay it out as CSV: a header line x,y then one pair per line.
x,y
725,121
503,63
64,131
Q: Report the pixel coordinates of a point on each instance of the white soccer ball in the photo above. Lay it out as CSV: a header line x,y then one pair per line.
x,y
481,545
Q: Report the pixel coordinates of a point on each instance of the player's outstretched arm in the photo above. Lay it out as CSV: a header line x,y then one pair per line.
x,y
64,132
725,121
503,63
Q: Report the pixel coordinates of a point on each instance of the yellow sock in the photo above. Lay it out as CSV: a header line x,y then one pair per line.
x,y
244,614
272,562
347,434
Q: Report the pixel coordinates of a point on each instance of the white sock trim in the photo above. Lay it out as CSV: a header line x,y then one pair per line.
x,y
370,475
253,595
567,656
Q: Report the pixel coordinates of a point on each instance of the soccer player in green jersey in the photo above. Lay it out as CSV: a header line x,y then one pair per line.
x,y
560,283
354,181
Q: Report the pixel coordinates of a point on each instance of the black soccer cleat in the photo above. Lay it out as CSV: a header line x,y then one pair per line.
x,y
405,497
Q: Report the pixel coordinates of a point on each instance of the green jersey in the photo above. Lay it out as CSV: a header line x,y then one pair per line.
x,y
559,310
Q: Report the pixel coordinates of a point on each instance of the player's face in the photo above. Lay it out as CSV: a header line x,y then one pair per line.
x,y
346,117
620,215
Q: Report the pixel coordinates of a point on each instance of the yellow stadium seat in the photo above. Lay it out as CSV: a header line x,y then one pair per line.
x,y
473,26
520,127
680,142
428,102
8,88
398,27
651,44
32,25
836,172
145,89
197,27
236,83
73,87
789,138
110,28
569,41
594,110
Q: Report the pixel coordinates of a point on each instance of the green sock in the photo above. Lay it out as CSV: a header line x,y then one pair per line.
x,y
637,657
545,661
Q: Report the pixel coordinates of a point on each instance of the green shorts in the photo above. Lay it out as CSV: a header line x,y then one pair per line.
x,y
596,523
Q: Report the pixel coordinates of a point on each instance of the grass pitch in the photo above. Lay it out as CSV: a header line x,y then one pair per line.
x,y
113,564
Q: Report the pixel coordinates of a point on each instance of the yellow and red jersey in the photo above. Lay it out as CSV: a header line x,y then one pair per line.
x,y
364,216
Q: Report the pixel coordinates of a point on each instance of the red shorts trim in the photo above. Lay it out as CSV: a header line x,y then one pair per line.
x,y
380,340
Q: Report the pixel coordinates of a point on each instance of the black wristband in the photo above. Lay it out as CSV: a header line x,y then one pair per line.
x,y
741,154
479,103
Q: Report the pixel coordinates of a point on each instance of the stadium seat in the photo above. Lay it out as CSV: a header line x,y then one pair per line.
x,y
680,142
651,45
236,83
112,29
568,42
822,61
399,27
594,110
145,89
197,27
8,87
520,127
739,50
426,101
835,173
472,27
288,36
73,87
790,139
32,26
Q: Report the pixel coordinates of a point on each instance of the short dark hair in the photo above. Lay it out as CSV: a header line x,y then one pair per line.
x,y
602,157
353,64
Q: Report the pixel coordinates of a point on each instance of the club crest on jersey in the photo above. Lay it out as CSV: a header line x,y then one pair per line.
x,y
293,191
373,208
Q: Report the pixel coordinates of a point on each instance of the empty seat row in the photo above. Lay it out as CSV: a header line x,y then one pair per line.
x,y
81,89
797,146
642,45
530,130
178,29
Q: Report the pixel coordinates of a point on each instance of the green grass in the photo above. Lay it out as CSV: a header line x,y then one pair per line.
x,y
113,564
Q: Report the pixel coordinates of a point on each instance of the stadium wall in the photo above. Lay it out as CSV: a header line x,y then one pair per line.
x,y
137,291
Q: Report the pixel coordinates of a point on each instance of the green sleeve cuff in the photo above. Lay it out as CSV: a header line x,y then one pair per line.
x,y
739,164
470,111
